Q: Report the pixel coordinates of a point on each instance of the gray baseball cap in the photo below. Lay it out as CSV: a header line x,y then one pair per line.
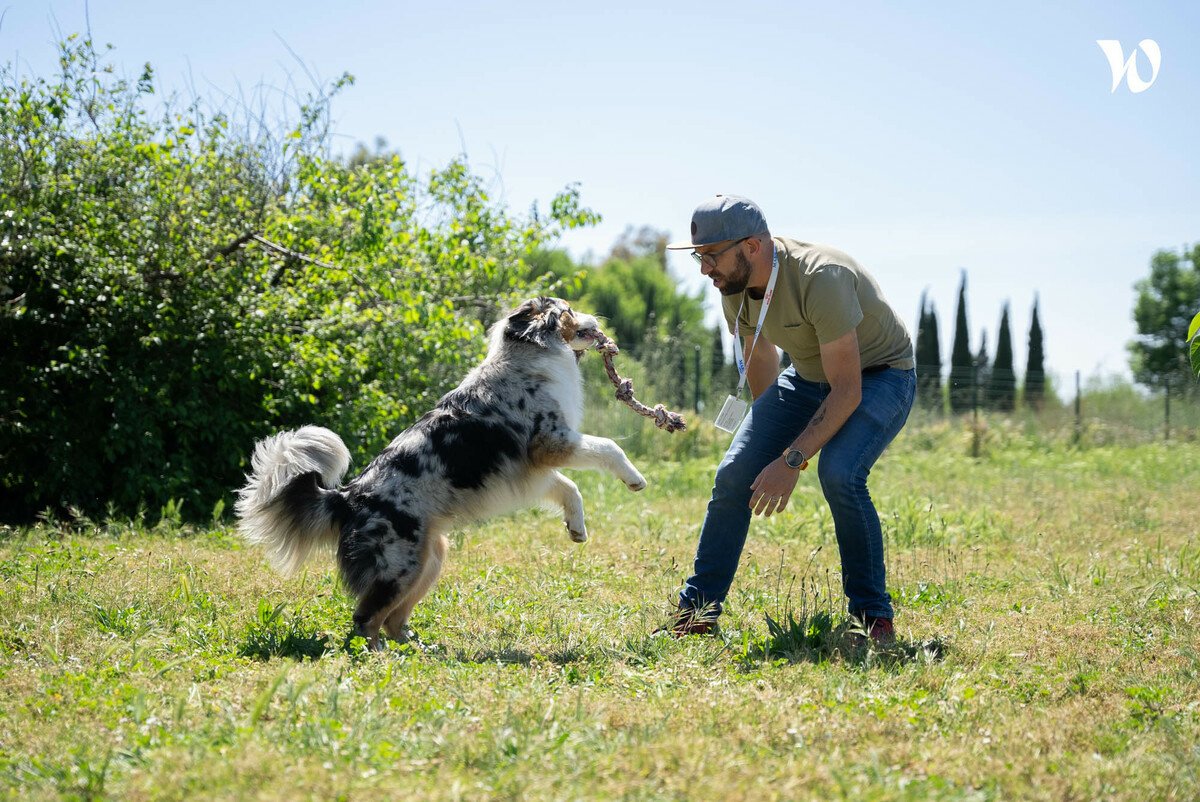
x,y
721,218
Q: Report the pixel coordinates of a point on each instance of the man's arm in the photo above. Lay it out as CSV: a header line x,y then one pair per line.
x,y
762,367
843,370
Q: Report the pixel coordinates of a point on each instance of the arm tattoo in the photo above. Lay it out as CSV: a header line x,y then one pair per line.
x,y
818,418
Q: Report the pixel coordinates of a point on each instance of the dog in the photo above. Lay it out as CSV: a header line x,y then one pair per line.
x,y
492,445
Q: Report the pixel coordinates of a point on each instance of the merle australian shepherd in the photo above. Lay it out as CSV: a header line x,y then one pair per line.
x,y
492,445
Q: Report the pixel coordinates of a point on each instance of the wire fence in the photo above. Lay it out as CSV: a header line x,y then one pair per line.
x,y
1095,409
1074,410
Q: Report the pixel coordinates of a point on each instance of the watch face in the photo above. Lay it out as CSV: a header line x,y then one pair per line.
x,y
794,458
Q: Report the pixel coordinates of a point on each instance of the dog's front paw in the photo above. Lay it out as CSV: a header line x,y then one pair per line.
x,y
578,535
637,485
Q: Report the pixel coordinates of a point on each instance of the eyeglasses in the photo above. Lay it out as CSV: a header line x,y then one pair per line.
x,y
711,257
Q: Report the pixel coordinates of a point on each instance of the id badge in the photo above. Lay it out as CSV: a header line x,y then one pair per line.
x,y
731,414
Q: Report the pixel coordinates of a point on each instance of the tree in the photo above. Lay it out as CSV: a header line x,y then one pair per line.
x,y
1166,301
651,319
645,310
928,352
645,241
962,362
174,285
1003,382
983,372
640,303
1035,369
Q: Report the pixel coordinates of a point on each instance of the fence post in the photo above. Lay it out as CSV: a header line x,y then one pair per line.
x,y
1079,411
682,379
1167,401
975,410
696,398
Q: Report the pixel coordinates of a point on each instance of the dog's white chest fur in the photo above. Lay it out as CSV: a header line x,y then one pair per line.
x,y
566,385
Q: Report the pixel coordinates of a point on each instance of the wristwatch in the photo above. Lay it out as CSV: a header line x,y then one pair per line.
x,y
795,458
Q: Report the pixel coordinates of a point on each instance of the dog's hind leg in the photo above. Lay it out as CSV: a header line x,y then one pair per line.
x,y
602,453
374,607
565,494
432,559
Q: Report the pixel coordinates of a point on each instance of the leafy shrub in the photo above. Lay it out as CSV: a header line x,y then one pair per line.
x,y
173,286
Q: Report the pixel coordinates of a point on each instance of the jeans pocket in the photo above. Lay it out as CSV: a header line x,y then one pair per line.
x,y
888,395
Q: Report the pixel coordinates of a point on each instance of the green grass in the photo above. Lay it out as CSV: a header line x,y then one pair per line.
x,y
1048,601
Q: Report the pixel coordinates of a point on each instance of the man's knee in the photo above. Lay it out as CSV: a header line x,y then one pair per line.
x,y
734,476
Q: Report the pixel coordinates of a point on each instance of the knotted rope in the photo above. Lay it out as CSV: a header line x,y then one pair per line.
x,y
663,417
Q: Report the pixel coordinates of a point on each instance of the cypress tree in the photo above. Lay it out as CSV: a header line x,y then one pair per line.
x,y
928,356
983,372
962,363
1035,370
919,344
1003,382
936,398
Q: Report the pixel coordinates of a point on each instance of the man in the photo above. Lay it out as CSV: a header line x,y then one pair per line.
x,y
846,394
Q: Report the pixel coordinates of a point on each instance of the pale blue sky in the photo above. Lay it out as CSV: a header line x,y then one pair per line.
x,y
922,139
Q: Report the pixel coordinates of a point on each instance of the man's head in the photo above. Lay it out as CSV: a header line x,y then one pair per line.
x,y
721,226
724,218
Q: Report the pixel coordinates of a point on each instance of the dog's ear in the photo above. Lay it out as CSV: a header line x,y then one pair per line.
x,y
569,324
535,321
524,314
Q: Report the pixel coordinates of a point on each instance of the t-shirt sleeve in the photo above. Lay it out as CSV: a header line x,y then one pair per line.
x,y
831,303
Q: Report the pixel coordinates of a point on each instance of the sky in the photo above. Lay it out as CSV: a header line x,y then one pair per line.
x,y
924,139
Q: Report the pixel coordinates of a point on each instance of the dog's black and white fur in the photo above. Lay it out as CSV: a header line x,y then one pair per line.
x,y
492,445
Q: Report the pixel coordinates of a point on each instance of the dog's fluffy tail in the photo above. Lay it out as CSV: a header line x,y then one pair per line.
x,y
290,504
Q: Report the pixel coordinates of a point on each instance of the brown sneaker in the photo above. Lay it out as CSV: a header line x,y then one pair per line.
x,y
880,630
690,621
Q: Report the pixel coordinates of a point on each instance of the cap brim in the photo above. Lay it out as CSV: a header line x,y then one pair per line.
x,y
687,246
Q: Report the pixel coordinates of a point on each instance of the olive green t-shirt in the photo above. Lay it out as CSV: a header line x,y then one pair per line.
x,y
821,294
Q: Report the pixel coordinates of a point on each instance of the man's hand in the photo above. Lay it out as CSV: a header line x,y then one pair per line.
x,y
773,488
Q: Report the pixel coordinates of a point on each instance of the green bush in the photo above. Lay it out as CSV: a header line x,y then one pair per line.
x,y
174,284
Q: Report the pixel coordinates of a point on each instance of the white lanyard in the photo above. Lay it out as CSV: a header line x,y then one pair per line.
x,y
762,317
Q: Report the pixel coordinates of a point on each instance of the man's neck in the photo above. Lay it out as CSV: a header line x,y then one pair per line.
x,y
760,273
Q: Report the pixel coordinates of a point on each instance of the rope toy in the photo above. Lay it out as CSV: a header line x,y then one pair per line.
x,y
663,417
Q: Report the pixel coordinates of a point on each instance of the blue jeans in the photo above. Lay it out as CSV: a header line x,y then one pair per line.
x,y
776,418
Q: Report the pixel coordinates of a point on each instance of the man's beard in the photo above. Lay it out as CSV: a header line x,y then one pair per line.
x,y
739,278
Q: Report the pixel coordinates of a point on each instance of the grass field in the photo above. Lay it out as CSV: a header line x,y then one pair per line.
x,y
1048,603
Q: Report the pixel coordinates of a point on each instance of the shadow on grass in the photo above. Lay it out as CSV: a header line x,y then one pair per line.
x,y
294,645
818,638
521,657
267,636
